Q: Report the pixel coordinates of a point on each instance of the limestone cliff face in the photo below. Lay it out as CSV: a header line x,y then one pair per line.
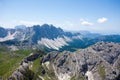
x,y
98,62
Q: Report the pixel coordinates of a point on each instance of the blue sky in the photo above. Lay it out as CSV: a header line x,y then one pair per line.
x,y
102,16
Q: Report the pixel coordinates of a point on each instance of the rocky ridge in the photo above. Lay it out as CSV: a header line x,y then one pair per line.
x,y
98,62
23,72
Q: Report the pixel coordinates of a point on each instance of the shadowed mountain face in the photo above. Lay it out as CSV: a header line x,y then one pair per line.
x,y
46,31
98,62
3,32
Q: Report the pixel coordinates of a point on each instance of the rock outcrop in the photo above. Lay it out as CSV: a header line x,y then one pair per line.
x,y
98,62
23,72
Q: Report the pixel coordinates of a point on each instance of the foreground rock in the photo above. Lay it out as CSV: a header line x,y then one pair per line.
x,y
98,62
23,72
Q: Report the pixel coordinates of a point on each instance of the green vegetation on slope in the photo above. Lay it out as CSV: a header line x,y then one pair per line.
x,y
77,77
8,64
73,78
23,52
9,61
35,68
49,75
101,71
41,71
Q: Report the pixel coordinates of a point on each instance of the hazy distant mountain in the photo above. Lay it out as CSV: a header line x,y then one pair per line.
x,y
22,27
45,35
49,37
89,34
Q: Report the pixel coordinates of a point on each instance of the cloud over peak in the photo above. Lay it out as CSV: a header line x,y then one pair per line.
x,y
102,20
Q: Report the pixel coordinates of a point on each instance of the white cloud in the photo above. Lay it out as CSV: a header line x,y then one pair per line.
x,y
85,22
102,20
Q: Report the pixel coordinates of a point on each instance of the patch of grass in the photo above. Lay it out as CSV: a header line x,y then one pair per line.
x,y
73,78
8,65
3,48
29,75
36,65
48,73
47,78
76,77
101,71
82,78
23,52
35,68
9,61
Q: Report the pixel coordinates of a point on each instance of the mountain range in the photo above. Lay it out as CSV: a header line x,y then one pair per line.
x,y
49,53
49,38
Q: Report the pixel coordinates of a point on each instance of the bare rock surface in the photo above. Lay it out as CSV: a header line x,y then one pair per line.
x,y
98,62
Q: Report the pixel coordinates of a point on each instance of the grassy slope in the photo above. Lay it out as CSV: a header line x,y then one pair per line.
x,y
37,68
9,61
